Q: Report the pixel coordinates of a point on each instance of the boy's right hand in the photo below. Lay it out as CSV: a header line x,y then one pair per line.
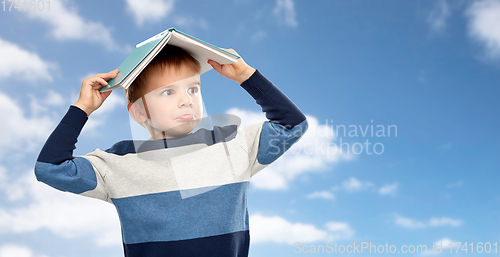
x,y
90,98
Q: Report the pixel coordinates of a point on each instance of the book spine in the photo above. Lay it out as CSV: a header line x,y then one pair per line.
x,y
153,38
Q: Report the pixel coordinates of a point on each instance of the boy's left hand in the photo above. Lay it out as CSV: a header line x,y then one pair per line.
x,y
238,71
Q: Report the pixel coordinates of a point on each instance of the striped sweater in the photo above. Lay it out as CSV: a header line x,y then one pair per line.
x,y
178,197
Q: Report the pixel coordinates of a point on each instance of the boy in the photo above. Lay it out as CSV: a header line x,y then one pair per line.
x,y
179,193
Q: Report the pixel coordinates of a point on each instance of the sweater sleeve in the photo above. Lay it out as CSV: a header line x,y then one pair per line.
x,y
285,125
56,165
277,106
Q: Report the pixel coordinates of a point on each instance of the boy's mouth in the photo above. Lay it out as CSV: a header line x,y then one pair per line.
x,y
186,117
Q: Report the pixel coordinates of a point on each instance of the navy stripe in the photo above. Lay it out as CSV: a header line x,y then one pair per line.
x,y
227,245
76,176
61,143
275,140
277,106
184,214
201,136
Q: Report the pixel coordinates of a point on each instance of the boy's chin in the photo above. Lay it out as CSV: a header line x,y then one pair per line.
x,y
179,131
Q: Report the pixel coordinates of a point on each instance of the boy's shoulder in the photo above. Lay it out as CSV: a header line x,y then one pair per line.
x,y
122,148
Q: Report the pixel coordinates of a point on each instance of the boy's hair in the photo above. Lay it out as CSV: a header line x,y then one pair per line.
x,y
169,56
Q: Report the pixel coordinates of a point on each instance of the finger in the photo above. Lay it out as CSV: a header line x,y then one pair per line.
x,y
231,51
215,65
108,75
98,82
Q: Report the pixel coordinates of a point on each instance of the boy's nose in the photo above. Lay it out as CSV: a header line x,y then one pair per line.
x,y
185,100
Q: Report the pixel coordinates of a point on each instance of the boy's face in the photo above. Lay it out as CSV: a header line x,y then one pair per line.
x,y
173,102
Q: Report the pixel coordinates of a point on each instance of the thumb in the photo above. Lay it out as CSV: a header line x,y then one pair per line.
x,y
215,65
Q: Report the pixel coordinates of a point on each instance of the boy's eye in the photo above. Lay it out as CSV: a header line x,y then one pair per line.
x,y
167,92
193,90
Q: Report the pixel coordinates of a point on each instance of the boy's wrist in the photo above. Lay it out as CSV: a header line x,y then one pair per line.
x,y
249,71
256,85
82,107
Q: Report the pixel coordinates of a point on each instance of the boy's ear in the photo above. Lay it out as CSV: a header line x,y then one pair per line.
x,y
136,111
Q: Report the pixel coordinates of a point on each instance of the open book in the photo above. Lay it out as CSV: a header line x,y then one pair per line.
x,y
145,51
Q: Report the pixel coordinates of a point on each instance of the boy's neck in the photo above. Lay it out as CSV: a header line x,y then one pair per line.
x,y
164,136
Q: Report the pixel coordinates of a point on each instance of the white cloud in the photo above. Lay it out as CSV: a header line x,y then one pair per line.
x,y
439,246
11,250
3,175
276,229
314,152
321,194
100,116
113,101
444,243
149,10
247,117
40,106
438,16
353,185
484,17
444,221
340,230
22,64
433,222
409,223
53,98
285,12
14,191
389,189
258,36
65,214
19,132
190,22
67,24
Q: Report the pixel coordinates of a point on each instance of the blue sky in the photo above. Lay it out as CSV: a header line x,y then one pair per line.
x,y
429,69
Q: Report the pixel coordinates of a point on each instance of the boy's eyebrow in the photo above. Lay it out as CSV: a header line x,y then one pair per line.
x,y
175,85
197,81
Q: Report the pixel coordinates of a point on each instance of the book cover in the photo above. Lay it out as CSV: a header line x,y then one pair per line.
x,y
145,51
